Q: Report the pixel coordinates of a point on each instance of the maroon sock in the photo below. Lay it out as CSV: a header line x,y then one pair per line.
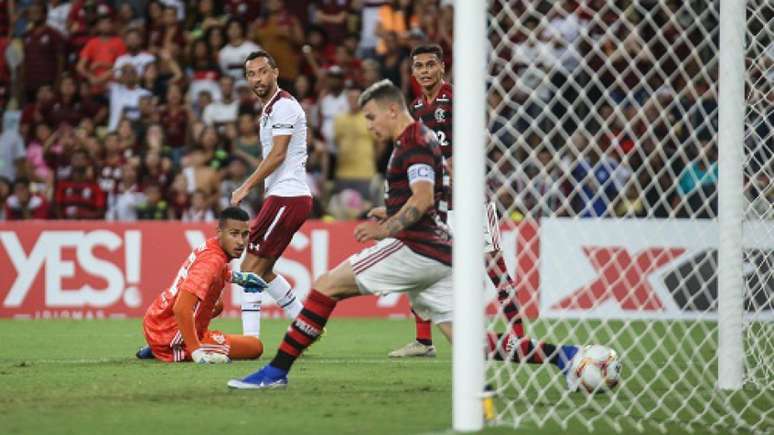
x,y
305,329
424,330
507,347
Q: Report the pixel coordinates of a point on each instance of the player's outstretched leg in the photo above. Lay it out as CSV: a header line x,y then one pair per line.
x,y
327,290
423,345
507,347
506,290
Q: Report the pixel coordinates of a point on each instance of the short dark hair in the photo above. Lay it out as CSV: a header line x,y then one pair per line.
x,y
260,53
234,213
428,49
381,91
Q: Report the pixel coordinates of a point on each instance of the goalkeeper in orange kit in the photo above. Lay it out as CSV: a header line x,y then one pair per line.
x,y
176,324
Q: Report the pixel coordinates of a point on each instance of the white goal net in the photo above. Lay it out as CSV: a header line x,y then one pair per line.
x,y
603,162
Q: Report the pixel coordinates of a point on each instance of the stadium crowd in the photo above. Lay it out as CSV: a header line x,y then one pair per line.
x,y
137,109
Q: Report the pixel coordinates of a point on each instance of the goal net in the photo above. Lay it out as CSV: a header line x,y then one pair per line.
x,y
602,159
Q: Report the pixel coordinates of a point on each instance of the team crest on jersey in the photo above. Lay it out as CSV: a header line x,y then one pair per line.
x,y
440,114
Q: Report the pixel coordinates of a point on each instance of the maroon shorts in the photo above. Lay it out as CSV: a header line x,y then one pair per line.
x,y
280,217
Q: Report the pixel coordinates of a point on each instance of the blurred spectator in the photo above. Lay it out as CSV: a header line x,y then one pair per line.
x,y
247,144
174,119
44,51
197,174
82,18
208,13
234,176
109,171
23,204
631,203
394,18
597,178
697,183
224,110
154,207
203,71
67,108
280,34
95,62
122,205
332,104
231,57
394,61
5,192
331,15
58,10
356,162
156,169
38,169
125,97
135,55
200,210
38,111
77,195
12,154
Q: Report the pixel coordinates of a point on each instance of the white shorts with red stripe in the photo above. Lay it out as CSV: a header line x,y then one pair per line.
x,y
391,267
491,227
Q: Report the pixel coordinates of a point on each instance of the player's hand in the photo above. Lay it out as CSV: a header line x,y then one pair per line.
x,y
378,213
201,356
251,282
238,195
370,230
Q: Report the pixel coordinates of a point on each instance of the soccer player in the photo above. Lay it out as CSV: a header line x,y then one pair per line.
x,y
413,250
434,108
288,200
176,324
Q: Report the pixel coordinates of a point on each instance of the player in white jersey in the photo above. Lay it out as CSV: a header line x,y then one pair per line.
x,y
288,200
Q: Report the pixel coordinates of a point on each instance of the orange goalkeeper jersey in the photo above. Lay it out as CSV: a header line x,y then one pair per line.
x,y
204,274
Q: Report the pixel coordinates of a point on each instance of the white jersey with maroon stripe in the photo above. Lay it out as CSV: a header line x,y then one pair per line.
x,y
283,116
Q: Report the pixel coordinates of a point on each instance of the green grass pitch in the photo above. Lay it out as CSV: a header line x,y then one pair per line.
x,y
81,377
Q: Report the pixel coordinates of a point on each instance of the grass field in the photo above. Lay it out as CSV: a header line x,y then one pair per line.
x,y
61,376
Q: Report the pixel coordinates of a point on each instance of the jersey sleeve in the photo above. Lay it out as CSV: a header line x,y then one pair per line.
x,y
284,118
201,274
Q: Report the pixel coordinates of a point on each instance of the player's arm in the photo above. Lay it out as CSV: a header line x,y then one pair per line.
x,y
184,315
421,200
267,166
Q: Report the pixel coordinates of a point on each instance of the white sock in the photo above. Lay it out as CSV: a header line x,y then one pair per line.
x,y
251,314
283,293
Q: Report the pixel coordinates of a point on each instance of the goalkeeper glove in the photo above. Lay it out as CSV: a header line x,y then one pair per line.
x,y
201,356
251,282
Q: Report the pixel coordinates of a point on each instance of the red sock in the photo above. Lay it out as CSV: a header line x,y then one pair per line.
x,y
424,330
305,329
506,291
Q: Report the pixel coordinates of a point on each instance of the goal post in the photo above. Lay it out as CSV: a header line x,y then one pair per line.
x,y
731,82
469,162
629,151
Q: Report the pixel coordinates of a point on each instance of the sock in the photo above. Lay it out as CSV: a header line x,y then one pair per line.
x,y
251,314
502,347
506,291
280,289
424,330
304,330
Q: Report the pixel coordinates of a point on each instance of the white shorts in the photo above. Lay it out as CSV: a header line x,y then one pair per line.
x,y
392,267
491,227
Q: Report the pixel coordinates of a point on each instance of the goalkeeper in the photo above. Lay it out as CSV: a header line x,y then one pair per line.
x,y
176,324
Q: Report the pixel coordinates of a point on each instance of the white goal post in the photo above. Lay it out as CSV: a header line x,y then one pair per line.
x,y
629,148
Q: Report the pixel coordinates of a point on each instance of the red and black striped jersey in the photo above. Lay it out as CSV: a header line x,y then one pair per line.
x,y
437,116
417,149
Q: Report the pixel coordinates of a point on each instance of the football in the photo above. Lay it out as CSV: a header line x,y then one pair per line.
x,y
596,369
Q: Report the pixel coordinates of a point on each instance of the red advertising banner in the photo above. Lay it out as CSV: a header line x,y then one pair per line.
x,y
96,269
